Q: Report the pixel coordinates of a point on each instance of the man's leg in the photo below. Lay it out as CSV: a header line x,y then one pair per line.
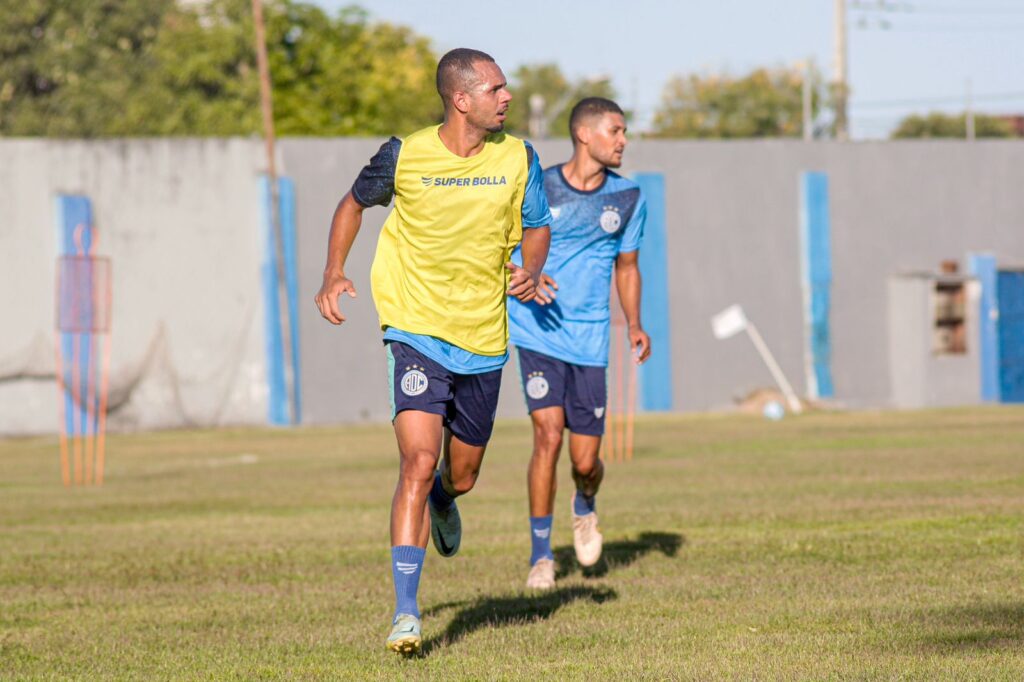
x,y
419,444
456,476
542,482
543,381
420,389
587,470
586,396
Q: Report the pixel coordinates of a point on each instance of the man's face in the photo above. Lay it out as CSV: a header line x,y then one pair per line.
x,y
488,98
607,139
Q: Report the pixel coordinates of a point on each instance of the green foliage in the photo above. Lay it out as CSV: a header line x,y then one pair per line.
x,y
764,103
945,125
548,81
154,67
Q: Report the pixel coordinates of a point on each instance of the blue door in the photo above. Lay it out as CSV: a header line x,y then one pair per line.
x,y
1011,336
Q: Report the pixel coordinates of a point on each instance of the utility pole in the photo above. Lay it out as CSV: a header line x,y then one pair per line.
x,y
839,72
808,114
266,105
969,113
538,121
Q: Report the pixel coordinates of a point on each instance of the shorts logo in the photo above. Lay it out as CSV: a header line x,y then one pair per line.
x,y
598,412
610,219
414,381
536,385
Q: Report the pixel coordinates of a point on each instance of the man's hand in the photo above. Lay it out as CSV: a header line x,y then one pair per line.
x,y
546,289
522,284
335,284
640,343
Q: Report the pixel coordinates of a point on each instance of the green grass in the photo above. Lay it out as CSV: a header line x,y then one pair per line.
x,y
830,546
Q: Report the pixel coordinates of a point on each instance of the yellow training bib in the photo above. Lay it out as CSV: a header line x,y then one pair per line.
x,y
440,263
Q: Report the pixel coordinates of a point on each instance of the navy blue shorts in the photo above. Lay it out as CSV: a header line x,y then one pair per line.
x,y
467,402
579,390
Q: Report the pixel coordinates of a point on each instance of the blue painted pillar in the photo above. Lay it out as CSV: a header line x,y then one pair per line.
x,y
816,271
655,375
278,407
74,238
983,267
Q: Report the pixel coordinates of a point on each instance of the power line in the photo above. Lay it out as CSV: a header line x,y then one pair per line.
x,y
950,99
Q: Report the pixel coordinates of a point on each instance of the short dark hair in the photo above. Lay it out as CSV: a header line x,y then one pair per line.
x,y
588,107
455,70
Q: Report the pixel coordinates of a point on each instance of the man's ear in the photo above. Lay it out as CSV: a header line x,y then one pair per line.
x,y
583,133
460,100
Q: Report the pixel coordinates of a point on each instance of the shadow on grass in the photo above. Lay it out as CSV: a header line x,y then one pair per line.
x,y
512,610
978,626
618,553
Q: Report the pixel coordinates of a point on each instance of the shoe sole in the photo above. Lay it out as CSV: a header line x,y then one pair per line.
x,y
590,563
406,646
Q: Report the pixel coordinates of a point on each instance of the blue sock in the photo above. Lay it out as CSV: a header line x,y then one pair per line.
x,y
584,504
406,565
540,538
439,497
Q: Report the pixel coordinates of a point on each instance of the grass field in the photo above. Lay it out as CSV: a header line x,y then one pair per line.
x,y
831,546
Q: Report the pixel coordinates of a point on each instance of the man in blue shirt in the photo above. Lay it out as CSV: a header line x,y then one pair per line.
x,y
563,346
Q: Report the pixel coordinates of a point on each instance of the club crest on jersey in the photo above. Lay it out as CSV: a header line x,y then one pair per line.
x,y
556,211
414,381
536,385
610,219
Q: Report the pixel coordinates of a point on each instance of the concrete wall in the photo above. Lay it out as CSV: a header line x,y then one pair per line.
x,y
733,235
921,376
181,220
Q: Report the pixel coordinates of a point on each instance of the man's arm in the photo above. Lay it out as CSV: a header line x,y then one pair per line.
x,y
348,216
375,186
628,284
523,282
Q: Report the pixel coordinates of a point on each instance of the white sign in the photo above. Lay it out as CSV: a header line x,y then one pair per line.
x,y
729,322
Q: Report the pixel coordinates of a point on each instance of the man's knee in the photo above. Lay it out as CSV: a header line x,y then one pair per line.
x,y
418,465
548,439
588,468
463,481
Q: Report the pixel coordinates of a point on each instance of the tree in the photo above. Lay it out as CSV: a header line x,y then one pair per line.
x,y
559,97
764,103
156,67
67,66
951,125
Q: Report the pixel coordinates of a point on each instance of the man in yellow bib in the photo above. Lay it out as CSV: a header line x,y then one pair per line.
x,y
466,194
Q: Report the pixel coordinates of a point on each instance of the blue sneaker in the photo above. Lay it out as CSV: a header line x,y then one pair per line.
x,y
405,636
445,529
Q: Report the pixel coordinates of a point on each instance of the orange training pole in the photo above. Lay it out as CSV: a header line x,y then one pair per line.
x,y
631,403
65,470
101,427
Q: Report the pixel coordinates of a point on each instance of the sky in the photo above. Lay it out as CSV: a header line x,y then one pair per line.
x,y
906,57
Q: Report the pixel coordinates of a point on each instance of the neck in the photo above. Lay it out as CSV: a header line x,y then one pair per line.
x,y
461,138
583,172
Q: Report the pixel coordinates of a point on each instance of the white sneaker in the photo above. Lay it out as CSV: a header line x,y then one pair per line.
x,y
542,575
586,536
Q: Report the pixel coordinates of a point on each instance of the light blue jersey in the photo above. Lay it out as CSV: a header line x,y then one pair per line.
x,y
590,229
